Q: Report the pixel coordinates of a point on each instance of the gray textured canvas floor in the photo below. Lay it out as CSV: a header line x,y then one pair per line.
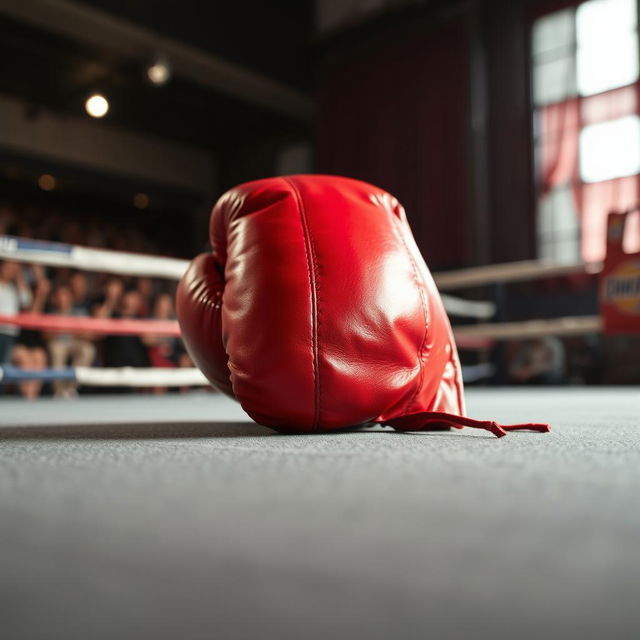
x,y
174,517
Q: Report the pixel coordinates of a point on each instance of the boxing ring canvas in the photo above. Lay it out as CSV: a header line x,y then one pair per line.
x,y
177,517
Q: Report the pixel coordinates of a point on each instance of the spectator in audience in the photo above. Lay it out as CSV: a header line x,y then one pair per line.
x,y
122,350
30,351
145,288
14,297
80,291
67,348
538,361
33,358
107,305
162,349
24,289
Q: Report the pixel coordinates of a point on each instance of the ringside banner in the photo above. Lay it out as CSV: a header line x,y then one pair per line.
x,y
620,281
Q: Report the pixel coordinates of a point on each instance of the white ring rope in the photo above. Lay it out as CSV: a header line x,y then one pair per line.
x,y
150,377
108,376
510,272
56,254
479,309
140,377
567,326
130,264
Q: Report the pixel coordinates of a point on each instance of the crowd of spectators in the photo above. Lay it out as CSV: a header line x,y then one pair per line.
x,y
31,288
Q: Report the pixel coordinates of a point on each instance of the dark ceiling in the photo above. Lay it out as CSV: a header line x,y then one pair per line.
x,y
56,73
270,37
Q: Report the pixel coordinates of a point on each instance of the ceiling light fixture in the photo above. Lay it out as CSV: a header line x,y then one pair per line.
x,y
47,182
96,105
159,72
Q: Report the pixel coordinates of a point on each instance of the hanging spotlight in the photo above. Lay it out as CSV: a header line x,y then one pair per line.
x,y
141,201
96,105
159,72
47,182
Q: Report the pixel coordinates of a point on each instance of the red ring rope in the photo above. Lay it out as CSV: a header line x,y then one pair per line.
x,y
103,326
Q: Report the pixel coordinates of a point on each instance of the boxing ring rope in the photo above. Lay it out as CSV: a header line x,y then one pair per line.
x,y
478,309
490,332
57,254
485,335
511,272
107,376
481,336
81,324
101,376
122,263
126,376
152,377
116,262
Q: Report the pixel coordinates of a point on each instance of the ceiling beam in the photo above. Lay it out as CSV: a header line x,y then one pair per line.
x,y
90,26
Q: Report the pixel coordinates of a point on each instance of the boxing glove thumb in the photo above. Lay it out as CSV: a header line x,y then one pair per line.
x,y
199,311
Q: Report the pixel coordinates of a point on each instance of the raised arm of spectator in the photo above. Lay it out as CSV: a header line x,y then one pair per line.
x,y
41,291
112,294
24,292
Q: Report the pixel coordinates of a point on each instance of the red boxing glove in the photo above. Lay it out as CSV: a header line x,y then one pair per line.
x,y
317,312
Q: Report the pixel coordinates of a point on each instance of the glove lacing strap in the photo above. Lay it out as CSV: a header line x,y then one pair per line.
x,y
434,420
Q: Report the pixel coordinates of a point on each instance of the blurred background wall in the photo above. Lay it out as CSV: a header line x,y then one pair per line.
x,y
507,128
430,99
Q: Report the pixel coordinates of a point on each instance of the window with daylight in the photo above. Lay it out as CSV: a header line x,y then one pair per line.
x,y
585,64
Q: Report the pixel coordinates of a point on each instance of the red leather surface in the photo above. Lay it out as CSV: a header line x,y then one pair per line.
x,y
198,306
620,280
329,316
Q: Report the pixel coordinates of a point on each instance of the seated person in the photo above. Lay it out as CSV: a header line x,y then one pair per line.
x,y
79,286
123,350
15,296
64,348
538,361
30,357
30,350
162,348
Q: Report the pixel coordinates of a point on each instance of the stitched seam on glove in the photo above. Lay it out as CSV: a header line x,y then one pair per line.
x,y
397,225
312,268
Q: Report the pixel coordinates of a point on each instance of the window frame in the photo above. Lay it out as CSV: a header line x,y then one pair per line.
x,y
536,127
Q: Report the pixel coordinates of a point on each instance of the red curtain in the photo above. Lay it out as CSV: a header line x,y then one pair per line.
x,y
395,113
560,126
560,129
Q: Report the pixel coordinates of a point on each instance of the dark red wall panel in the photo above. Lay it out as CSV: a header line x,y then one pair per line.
x,y
395,113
